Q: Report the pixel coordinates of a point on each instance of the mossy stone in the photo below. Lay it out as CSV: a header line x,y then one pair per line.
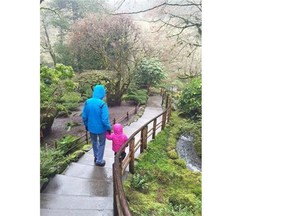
x,y
180,163
172,154
183,200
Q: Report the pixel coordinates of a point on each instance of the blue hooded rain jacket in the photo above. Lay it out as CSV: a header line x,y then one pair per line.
x,y
95,114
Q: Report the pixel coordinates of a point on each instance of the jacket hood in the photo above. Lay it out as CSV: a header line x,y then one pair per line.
x,y
118,129
99,92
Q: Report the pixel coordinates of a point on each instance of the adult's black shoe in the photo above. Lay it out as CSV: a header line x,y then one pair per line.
x,y
101,164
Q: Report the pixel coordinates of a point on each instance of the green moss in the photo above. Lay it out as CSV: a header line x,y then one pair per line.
x,y
139,182
172,142
182,200
169,148
172,154
165,176
180,162
87,147
75,156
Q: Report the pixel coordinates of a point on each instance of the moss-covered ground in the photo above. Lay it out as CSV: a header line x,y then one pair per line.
x,y
161,184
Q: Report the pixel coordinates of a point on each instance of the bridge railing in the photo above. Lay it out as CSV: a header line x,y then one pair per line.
x,y
127,116
136,144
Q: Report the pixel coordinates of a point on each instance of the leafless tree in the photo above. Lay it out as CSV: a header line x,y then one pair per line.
x,y
115,40
45,41
181,20
179,15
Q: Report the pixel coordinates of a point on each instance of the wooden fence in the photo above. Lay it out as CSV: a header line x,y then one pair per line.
x,y
85,138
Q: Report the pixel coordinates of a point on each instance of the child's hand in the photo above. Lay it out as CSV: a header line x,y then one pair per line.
x,y
108,135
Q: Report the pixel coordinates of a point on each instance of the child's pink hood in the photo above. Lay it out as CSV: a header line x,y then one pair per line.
x,y
118,129
117,137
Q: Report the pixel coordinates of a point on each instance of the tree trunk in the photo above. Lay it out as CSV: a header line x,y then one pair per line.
x,y
47,117
114,97
114,102
48,44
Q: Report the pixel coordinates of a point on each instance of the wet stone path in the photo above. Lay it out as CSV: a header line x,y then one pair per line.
x,y
86,189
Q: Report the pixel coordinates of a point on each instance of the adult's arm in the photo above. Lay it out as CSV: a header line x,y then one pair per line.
x,y
85,115
105,117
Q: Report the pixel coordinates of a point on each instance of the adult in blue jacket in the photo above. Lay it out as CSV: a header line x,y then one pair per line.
x,y
95,116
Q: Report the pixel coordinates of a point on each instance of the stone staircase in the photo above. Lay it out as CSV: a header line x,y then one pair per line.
x,y
82,189
86,189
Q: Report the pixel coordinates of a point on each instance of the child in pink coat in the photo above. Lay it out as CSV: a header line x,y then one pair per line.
x,y
118,139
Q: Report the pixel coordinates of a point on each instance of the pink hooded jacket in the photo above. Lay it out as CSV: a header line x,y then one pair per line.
x,y
118,137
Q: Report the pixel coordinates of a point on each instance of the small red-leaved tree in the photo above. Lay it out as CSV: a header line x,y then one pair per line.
x,y
115,40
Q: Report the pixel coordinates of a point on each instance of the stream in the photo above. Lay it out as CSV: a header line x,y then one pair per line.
x,y
187,152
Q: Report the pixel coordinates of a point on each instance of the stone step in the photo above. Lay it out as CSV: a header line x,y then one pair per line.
x,y
67,185
89,172
88,159
75,212
55,201
108,153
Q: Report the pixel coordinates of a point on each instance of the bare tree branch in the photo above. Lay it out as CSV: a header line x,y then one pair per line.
x,y
52,10
181,21
157,6
122,1
48,43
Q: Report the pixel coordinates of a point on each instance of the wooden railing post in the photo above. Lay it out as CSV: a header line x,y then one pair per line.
x,y
163,98
164,120
167,101
169,112
144,138
86,137
132,155
154,128
114,192
136,109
